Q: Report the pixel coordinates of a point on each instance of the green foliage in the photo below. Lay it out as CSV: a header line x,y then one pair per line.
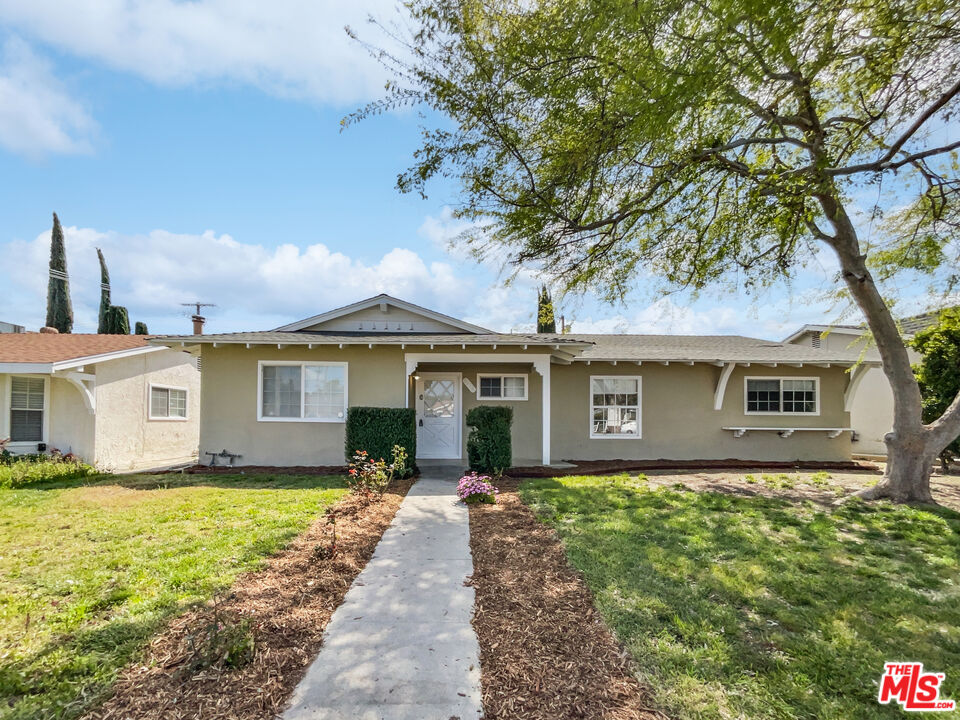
x,y
141,328
118,321
489,448
546,320
18,472
104,294
92,568
377,430
59,309
939,371
762,608
598,139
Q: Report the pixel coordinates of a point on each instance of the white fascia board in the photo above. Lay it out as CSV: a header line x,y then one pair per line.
x,y
378,300
25,368
823,329
104,357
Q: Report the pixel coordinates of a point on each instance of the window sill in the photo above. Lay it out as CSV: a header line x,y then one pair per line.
x,y
340,421
783,414
618,436
167,419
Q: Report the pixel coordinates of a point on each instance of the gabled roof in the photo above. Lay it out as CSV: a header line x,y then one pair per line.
x,y
909,325
62,350
382,299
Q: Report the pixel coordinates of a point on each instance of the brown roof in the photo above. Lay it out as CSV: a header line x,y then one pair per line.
x,y
44,348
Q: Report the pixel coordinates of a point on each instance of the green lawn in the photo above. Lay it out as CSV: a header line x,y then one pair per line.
x,y
89,571
754,607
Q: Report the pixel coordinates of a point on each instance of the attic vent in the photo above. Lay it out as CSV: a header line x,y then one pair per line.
x,y
200,364
815,339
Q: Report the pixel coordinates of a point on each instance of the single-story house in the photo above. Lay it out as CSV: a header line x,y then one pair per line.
x,y
116,401
280,397
871,409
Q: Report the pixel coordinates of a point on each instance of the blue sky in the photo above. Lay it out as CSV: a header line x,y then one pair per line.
x,y
199,146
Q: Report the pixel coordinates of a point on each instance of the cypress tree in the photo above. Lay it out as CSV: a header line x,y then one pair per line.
x,y
546,323
59,310
118,321
141,329
104,294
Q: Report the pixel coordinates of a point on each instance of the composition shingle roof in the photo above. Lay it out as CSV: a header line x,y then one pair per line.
x,y
44,348
701,348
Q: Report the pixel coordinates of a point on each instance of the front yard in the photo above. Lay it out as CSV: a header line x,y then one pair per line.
x,y
89,571
754,601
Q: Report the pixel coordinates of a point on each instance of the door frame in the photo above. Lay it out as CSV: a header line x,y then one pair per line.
x,y
458,412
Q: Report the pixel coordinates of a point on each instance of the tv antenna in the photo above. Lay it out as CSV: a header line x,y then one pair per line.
x,y
198,305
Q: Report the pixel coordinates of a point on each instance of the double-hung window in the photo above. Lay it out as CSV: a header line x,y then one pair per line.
x,y
27,399
302,392
501,387
614,407
782,396
168,403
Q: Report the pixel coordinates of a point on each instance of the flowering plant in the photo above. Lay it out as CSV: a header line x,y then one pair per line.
x,y
474,488
369,477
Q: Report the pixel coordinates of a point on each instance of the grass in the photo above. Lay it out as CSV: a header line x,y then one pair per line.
x,y
758,607
89,571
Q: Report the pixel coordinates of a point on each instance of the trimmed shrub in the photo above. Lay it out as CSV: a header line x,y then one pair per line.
x,y
376,430
489,448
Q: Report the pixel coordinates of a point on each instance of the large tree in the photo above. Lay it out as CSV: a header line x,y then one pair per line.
x,y
546,319
939,372
59,309
704,142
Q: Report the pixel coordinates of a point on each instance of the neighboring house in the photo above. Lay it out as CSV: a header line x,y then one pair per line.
x,y
280,397
6,327
114,400
871,411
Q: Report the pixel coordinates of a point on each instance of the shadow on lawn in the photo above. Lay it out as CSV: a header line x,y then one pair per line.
x,y
164,481
760,607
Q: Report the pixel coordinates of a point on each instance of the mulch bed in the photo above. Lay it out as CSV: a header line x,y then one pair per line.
x,y
545,653
608,467
288,604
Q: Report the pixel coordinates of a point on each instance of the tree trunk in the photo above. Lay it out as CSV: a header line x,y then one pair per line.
x,y
911,446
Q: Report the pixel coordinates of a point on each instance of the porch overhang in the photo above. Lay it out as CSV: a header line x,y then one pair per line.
x,y
540,361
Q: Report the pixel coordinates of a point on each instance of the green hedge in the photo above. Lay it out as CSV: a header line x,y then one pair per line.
x,y
489,448
377,430
20,473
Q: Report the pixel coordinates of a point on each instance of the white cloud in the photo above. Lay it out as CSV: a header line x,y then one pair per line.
x,y
255,288
292,48
37,115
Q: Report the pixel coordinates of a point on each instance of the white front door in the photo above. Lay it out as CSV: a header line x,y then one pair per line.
x,y
438,415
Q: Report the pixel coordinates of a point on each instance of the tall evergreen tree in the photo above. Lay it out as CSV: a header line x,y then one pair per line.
x,y
141,328
118,321
104,294
546,322
59,309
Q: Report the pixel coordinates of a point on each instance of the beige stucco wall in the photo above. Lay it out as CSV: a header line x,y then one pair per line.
x,y
126,438
374,377
679,422
678,419
72,427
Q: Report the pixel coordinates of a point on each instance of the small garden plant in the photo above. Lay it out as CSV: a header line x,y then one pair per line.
x,y
370,478
474,488
21,470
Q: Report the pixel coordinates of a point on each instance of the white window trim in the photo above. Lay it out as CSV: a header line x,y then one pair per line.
x,y
303,365
164,418
781,378
25,445
526,387
617,436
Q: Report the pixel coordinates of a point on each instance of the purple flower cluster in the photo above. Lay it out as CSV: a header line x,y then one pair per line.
x,y
474,488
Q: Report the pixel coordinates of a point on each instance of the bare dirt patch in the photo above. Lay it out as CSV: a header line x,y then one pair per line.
x,y
823,487
545,653
287,605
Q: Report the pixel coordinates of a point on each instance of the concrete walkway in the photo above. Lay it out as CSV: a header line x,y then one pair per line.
x,y
401,646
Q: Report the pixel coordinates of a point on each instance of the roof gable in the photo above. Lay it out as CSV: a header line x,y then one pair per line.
x,y
383,313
